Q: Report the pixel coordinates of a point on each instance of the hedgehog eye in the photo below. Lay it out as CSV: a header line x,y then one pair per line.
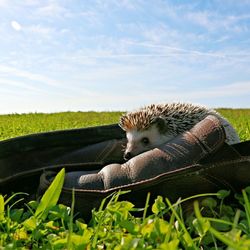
x,y
145,140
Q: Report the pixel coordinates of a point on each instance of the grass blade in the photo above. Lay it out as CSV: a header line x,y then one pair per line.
x,y
1,208
51,196
246,206
69,239
187,238
146,206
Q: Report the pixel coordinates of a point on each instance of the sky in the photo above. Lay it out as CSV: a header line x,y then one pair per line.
x,y
80,55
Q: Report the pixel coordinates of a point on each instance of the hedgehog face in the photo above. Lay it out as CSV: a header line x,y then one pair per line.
x,y
142,140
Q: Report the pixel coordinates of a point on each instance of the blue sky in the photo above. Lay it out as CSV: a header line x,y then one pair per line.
x,y
58,55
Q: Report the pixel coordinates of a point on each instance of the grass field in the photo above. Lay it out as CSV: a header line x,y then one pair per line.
x,y
21,124
215,223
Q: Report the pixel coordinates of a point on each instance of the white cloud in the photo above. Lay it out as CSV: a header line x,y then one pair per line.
x,y
127,4
52,9
41,30
17,84
213,21
28,75
92,17
175,50
16,26
31,2
204,19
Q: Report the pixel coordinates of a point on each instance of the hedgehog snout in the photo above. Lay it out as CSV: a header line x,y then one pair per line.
x,y
127,155
130,151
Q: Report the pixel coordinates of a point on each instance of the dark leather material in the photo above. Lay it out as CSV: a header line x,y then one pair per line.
x,y
198,161
181,182
26,158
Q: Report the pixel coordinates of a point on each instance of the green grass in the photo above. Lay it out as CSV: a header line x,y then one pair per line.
x,y
215,223
21,124
240,119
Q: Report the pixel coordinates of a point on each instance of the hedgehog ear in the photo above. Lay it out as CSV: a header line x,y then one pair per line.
x,y
161,124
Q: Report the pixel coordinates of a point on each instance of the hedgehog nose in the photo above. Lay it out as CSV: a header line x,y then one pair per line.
x,y
127,155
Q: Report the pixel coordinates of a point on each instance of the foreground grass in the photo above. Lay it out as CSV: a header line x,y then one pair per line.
x,y
48,225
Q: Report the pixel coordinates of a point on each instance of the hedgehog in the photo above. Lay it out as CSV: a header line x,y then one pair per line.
x,y
153,125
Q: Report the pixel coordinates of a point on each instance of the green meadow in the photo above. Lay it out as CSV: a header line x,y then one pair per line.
x,y
21,124
216,222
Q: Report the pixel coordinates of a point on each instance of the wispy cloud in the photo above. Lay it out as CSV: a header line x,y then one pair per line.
x,y
213,21
39,83
224,54
40,30
127,4
28,75
52,9
236,89
17,84
176,50
92,17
